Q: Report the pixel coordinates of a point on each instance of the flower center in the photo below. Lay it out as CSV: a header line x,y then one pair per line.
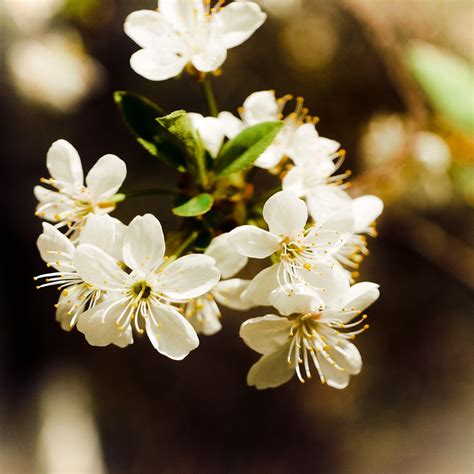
x,y
141,290
313,340
296,254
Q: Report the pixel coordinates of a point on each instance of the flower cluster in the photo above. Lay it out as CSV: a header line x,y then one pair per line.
x,y
310,235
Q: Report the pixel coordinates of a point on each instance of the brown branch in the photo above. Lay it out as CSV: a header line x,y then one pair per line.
x,y
380,34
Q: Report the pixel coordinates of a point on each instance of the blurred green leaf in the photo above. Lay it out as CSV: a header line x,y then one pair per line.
x,y
140,115
447,80
179,125
196,206
242,151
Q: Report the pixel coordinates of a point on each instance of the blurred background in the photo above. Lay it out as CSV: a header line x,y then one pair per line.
x,y
393,82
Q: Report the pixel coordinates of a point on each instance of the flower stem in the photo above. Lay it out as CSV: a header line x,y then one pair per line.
x,y
182,248
210,97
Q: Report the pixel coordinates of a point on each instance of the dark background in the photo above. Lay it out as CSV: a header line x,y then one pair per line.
x,y
410,410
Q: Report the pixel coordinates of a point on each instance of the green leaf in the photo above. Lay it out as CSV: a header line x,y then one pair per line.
x,y
179,124
140,116
447,80
196,206
242,151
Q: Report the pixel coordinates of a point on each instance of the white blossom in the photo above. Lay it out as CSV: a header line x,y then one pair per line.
x,y
203,312
32,15
186,32
298,139
140,293
314,332
73,202
301,253
58,251
53,69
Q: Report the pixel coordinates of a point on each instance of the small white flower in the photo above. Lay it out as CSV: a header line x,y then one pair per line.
x,y
303,254
185,32
315,332
432,151
209,130
141,293
32,16
58,252
73,202
298,139
203,312
53,69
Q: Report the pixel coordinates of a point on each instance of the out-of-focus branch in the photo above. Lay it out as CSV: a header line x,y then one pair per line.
x,y
434,244
380,34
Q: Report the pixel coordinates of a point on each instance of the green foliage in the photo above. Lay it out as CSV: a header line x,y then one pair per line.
x,y
196,206
178,124
242,151
140,115
448,82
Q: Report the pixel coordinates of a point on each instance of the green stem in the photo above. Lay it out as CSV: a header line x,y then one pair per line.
x,y
182,248
210,97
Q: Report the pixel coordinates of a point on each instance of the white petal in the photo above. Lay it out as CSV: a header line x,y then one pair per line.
x,y
347,356
172,336
271,157
228,261
69,300
99,326
324,200
229,292
296,299
330,280
99,269
271,370
210,130
51,203
341,221
361,295
209,59
188,277
303,144
64,164
326,146
253,242
334,378
206,320
46,195
183,15
149,29
266,334
366,210
55,248
235,23
259,289
294,181
260,107
144,244
231,125
156,65
285,213
104,232
105,177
